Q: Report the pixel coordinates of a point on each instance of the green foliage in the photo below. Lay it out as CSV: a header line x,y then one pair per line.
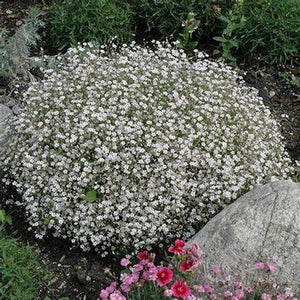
x,y
4,219
15,50
271,30
76,21
290,79
185,39
20,273
166,16
228,40
92,196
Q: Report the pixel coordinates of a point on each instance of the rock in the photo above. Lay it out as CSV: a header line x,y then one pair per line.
x,y
81,276
263,224
5,114
272,94
10,102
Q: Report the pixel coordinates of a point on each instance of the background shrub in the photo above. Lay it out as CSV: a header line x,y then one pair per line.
x,y
15,50
270,30
137,147
76,21
166,17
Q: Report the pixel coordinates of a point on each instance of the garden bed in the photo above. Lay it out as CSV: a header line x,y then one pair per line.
x,y
80,275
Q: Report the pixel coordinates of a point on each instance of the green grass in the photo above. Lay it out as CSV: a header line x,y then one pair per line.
x,y
21,275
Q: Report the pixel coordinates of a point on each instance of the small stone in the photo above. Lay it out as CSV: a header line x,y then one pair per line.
x,y
9,12
216,52
62,286
52,281
19,23
272,94
81,276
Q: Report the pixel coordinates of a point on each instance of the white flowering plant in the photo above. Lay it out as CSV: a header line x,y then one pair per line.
x,y
135,146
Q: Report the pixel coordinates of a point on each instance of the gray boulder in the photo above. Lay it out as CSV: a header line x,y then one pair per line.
x,y
5,114
263,224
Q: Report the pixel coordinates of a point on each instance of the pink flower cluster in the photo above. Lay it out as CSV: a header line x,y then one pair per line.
x,y
177,280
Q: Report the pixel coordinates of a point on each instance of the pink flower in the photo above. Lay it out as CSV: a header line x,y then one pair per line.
x,y
234,298
126,279
228,294
139,267
168,293
189,265
125,287
199,288
249,289
104,294
124,262
288,293
116,295
164,276
130,278
135,277
193,251
239,294
237,284
191,297
142,255
217,270
177,249
111,287
208,288
259,265
265,296
180,289
272,268
150,274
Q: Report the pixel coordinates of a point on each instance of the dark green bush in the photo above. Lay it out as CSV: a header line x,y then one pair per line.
x,y
270,30
76,21
166,16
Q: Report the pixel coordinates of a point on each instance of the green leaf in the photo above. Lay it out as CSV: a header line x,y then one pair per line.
x,y
47,220
220,39
193,44
2,216
8,220
92,195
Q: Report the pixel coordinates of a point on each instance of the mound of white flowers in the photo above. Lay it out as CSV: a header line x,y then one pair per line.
x,y
136,146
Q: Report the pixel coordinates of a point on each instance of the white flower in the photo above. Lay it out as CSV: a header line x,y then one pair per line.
x,y
164,142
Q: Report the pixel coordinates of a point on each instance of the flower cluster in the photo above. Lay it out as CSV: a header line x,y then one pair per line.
x,y
145,280
130,146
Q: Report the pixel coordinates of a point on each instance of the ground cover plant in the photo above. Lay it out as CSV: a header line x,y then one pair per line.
x,y
130,147
183,277
21,275
90,20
